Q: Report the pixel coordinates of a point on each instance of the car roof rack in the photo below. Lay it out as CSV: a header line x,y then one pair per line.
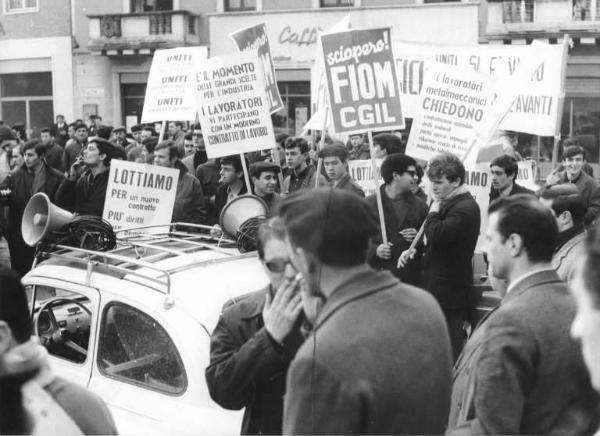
x,y
147,249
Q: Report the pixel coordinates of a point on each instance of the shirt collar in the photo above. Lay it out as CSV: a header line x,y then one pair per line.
x,y
514,283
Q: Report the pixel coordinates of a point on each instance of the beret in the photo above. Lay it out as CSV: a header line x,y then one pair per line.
x,y
258,167
104,145
6,133
119,129
78,126
333,224
104,131
136,128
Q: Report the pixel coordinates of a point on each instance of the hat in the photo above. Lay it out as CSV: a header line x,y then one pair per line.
x,y
6,134
260,167
104,131
119,129
335,225
136,128
104,146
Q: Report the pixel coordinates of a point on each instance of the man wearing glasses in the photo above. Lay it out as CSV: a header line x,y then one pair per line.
x,y
256,338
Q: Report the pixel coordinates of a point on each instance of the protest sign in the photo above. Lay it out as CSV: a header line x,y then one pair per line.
x,y
362,173
139,194
455,109
362,81
536,109
232,106
171,84
255,38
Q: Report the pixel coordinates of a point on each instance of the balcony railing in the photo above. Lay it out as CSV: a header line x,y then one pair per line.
x,y
147,30
586,10
517,11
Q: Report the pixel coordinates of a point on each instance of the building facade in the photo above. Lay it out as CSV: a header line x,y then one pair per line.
x,y
520,22
36,67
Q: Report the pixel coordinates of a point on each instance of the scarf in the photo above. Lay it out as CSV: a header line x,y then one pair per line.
x,y
462,189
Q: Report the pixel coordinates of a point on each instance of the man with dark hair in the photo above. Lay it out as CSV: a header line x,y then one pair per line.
x,y
148,131
415,187
302,174
520,372
208,174
136,133
32,177
27,381
504,171
280,140
75,146
177,135
84,189
232,183
359,149
189,199
569,210
573,161
54,152
403,214
361,370
256,338
451,231
264,178
60,131
335,158
385,144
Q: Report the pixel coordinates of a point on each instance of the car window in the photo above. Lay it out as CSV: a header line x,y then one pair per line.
x,y
62,320
135,348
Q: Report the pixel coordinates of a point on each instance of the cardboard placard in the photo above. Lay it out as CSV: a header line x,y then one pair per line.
x,y
232,105
255,38
171,84
139,194
361,172
362,81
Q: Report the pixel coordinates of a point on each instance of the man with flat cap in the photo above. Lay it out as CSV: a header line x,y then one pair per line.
x,y
84,189
378,360
264,179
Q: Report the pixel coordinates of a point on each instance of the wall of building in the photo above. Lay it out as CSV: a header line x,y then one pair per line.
x,y
54,53
270,5
51,19
81,23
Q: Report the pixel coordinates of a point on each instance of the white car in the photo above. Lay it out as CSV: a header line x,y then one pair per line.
x,y
133,325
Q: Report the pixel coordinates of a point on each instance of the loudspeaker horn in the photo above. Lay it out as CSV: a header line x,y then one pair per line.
x,y
239,210
41,217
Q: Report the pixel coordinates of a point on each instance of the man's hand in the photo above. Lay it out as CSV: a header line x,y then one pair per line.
x,y
405,257
280,314
554,177
76,168
408,234
384,251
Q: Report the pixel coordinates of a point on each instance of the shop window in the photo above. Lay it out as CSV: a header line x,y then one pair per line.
x,y
20,6
139,6
296,111
336,3
517,11
135,348
240,5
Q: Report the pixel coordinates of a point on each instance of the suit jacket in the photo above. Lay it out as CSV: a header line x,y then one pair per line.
x,y
189,199
565,258
378,362
247,368
447,263
521,373
86,195
590,191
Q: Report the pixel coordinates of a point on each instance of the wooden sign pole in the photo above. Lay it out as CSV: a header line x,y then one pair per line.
x,y
377,190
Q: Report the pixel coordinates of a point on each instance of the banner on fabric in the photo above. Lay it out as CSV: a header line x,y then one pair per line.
x,y
139,195
536,109
255,38
171,84
362,81
233,109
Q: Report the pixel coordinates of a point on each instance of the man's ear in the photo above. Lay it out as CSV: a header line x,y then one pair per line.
x,y
565,217
516,244
6,338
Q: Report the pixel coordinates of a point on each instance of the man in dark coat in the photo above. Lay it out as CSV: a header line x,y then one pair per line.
x,y
521,372
60,131
256,338
378,359
32,177
573,162
232,183
504,171
208,175
84,192
451,231
335,162
74,146
54,152
403,213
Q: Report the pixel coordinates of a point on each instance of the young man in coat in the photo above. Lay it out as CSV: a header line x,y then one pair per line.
x,y
378,359
521,372
302,175
17,189
403,214
264,179
255,340
504,171
451,231
335,158
189,199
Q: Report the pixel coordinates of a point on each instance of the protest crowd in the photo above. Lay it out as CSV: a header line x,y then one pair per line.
x,y
370,322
